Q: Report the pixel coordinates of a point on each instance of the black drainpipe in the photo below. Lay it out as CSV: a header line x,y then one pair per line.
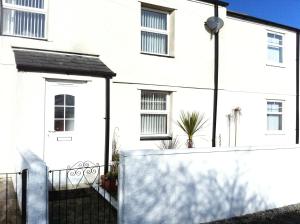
x,y
107,123
216,79
297,88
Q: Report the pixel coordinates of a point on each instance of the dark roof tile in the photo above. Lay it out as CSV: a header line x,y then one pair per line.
x,y
47,61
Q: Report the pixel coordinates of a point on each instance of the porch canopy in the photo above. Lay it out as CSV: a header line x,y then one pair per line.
x,y
36,60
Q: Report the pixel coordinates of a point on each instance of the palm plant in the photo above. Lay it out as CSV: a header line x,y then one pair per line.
x,y
190,123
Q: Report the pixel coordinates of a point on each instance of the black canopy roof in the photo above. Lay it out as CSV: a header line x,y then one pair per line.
x,y
35,60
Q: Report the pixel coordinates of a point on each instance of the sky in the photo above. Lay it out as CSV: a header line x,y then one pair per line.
x,y
286,12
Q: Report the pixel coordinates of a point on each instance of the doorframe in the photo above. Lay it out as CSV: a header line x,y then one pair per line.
x,y
107,115
55,80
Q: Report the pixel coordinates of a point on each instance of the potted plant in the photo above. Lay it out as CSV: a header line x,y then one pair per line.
x,y
109,181
190,123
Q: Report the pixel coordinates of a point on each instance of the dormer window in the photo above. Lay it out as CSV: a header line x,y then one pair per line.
x,y
24,18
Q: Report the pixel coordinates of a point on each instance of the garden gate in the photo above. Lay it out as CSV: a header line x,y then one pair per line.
x,y
76,196
13,187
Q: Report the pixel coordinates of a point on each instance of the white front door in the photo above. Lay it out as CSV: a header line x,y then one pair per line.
x,y
65,109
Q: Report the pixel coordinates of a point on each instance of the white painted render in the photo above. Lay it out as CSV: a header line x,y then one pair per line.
x,y
202,185
112,30
37,186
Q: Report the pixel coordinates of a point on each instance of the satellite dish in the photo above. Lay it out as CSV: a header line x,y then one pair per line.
x,y
214,24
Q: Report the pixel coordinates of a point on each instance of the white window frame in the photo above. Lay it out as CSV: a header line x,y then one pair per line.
x,y
64,119
276,113
158,31
26,9
270,62
160,112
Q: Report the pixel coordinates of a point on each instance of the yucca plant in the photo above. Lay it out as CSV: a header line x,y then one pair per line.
x,y
190,123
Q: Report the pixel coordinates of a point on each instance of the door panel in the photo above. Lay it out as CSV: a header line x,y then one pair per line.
x,y
65,109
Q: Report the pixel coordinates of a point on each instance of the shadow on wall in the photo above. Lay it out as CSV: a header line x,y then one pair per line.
x,y
170,194
37,189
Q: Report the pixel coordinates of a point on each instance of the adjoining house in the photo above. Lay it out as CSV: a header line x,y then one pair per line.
x,y
62,98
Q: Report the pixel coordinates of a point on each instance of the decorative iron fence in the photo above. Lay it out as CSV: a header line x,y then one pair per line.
x,y
77,195
13,197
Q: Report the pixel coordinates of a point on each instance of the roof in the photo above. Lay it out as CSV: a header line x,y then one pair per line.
x,y
36,60
261,21
221,3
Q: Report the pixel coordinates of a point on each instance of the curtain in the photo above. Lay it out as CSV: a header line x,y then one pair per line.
x,y
274,122
275,48
154,42
153,123
153,101
154,20
23,23
275,54
274,115
28,3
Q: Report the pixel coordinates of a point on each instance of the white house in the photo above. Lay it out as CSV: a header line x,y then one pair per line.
x,y
71,74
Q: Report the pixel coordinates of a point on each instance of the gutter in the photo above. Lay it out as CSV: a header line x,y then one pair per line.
x,y
261,21
215,2
107,124
297,86
216,79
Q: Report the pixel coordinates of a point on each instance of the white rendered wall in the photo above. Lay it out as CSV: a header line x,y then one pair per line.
x,y
126,111
112,29
252,122
36,188
188,75
31,120
247,80
22,126
193,186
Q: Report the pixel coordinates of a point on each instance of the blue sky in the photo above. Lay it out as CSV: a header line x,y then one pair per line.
x,y
286,12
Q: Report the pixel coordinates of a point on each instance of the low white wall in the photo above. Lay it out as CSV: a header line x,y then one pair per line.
x,y
37,186
197,185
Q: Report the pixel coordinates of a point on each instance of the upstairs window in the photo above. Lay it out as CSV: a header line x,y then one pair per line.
x,y
154,113
274,115
154,32
24,18
275,48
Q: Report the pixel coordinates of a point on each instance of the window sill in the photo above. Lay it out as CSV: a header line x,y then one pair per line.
x,y
155,138
275,133
31,38
276,65
158,55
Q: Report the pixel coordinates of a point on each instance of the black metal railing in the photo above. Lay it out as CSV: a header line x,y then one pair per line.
x,y
13,197
77,195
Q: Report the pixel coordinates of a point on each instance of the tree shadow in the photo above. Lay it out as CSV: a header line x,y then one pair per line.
x,y
156,192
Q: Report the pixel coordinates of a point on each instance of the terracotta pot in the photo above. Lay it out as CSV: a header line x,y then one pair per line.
x,y
109,184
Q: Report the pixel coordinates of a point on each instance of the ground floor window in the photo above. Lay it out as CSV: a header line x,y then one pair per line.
x,y
274,115
154,113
